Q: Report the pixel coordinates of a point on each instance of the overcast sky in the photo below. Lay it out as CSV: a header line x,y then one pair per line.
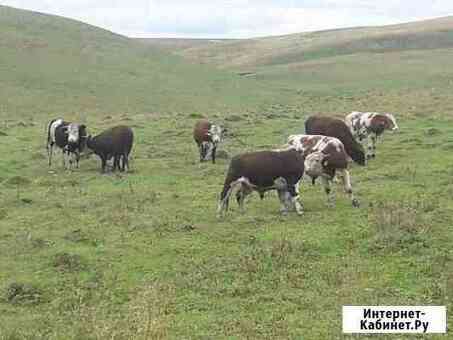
x,y
235,18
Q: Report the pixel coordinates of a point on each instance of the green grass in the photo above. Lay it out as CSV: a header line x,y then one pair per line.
x,y
142,255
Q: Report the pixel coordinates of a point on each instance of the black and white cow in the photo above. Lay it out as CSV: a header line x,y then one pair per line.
x,y
262,171
69,137
370,124
325,157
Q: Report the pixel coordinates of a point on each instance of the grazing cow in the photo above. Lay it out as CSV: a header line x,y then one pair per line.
x,y
370,124
261,171
333,127
207,136
324,157
115,142
69,137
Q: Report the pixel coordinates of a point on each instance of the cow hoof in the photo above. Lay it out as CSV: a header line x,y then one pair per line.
x,y
373,156
355,203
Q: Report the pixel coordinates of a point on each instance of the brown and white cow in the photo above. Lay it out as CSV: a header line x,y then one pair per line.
x,y
207,136
324,157
370,124
262,171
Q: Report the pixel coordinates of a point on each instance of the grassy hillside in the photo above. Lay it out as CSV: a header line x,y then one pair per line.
x,y
142,255
51,65
430,34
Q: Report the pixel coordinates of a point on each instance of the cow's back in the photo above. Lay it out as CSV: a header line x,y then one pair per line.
x,y
263,167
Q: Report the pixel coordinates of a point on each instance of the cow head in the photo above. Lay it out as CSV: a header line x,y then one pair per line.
x,y
315,164
391,125
216,134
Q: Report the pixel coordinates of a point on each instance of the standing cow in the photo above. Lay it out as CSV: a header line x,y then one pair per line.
x,y
115,142
262,171
207,136
69,137
370,124
325,157
333,127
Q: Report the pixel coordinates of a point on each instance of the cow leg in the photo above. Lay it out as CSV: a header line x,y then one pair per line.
x,y
126,162
200,152
49,153
241,194
369,149
346,178
294,194
64,158
103,163
373,145
116,161
329,192
214,149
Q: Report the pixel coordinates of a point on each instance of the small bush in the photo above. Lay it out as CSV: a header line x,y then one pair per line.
x,y
399,225
23,294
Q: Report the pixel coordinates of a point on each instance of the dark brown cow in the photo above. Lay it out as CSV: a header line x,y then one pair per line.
x,y
115,142
207,136
333,127
261,171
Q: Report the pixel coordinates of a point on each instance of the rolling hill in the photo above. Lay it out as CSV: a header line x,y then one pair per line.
x,y
52,65
249,53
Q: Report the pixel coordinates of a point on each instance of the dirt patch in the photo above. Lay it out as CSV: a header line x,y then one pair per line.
x,y
37,156
432,132
23,294
77,235
234,118
65,262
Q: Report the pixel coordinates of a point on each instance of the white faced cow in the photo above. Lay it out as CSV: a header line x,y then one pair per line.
x,y
207,136
370,124
324,157
262,171
69,137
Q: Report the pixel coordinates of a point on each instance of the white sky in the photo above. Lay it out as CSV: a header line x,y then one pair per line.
x,y
235,18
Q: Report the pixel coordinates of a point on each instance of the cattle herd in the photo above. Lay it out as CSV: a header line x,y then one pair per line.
x,y
326,149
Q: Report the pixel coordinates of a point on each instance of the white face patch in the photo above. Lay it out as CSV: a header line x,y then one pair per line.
x,y
313,164
73,133
216,133
392,118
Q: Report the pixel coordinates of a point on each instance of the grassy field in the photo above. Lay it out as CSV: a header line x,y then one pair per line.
x,y
142,255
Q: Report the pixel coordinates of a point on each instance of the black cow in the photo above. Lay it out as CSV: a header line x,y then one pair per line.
x,y
115,142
